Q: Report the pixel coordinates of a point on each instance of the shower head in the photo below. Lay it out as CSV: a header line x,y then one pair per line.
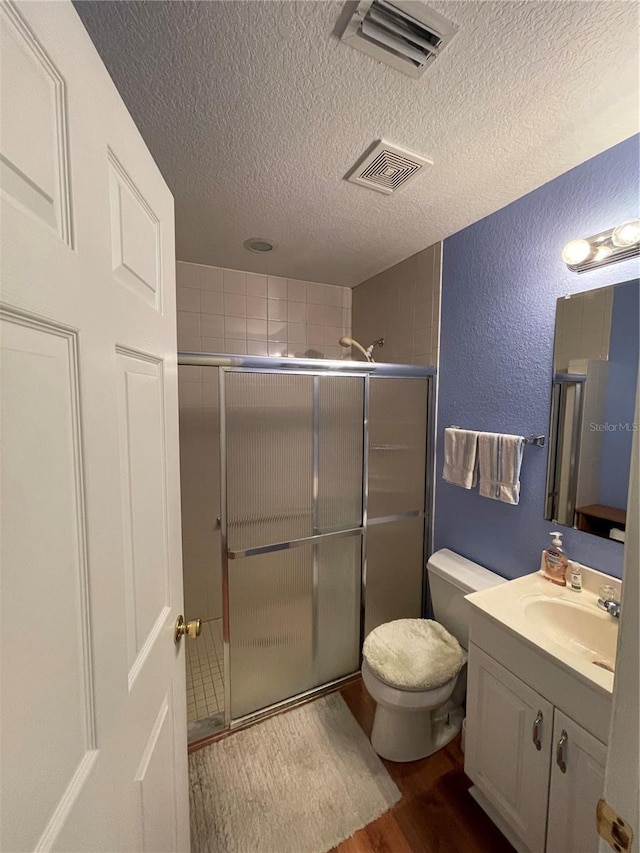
x,y
349,342
367,353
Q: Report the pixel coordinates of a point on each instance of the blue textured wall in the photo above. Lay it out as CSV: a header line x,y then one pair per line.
x,y
500,281
623,375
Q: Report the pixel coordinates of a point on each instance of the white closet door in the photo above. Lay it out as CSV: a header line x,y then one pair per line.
x,y
93,721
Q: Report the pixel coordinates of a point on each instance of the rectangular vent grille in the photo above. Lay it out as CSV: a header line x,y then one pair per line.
x,y
405,34
386,168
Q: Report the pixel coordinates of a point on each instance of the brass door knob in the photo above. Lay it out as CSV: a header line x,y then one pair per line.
x,y
191,628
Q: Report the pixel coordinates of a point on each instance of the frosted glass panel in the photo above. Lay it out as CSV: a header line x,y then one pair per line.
x,y
280,644
394,571
340,438
200,491
269,424
338,608
397,441
270,627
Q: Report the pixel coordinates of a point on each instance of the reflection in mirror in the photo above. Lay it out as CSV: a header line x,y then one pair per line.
x,y
595,373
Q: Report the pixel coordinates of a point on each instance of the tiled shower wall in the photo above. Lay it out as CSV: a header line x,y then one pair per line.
x,y
402,305
230,311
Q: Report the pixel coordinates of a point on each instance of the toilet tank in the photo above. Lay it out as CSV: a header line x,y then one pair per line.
x,y
451,577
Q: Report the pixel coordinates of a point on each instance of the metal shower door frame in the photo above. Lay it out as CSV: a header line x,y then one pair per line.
x,y
311,367
226,556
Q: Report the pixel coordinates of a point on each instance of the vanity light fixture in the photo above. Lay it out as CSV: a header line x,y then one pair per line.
x,y
616,244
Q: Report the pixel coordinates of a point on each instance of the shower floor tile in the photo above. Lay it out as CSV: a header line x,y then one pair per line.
x,y
205,673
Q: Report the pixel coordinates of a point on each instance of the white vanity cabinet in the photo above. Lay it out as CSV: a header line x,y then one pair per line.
x,y
516,742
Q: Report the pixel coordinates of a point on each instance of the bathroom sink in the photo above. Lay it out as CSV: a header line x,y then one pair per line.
x,y
568,627
556,640
581,629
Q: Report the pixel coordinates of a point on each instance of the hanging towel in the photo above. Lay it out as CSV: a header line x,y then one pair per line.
x,y
460,446
500,460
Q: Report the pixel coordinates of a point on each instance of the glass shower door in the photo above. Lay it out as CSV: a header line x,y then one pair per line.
x,y
294,453
398,409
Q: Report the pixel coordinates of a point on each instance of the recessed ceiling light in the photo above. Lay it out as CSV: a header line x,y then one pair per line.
x,y
258,244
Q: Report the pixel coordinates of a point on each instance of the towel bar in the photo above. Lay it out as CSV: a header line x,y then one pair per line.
x,y
538,440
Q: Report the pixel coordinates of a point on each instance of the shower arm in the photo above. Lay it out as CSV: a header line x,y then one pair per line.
x,y
379,342
364,352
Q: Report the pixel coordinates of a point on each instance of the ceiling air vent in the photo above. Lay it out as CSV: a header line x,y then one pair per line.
x,y
386,168
405,34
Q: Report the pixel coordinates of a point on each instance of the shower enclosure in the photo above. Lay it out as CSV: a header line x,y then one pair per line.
x,y
309,482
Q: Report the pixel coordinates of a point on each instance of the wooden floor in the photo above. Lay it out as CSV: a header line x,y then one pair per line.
x,y
436,813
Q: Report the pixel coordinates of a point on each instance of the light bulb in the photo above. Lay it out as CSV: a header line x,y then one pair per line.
x,y
576,251
602,253
626,234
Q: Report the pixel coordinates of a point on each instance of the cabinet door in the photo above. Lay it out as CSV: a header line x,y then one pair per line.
x,y
576,789
508,746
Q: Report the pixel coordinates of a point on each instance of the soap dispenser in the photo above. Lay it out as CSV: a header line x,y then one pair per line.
x,y
555,561
575,573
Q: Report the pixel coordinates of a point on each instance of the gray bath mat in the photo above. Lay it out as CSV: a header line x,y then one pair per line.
x,y
300,782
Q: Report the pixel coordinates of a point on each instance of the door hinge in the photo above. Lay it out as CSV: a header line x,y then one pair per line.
x,y
614,829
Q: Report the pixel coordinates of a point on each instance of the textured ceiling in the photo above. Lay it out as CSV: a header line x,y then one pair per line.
x,y
254,112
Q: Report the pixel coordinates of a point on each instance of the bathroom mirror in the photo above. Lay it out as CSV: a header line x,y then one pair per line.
x,y
595,372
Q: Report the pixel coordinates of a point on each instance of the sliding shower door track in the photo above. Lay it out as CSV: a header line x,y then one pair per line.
x,y
298,699
273,710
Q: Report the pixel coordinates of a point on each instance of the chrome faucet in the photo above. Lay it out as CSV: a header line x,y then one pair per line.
x,y
607,602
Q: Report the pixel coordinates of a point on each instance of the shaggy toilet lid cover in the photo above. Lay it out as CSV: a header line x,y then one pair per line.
x,y
413,654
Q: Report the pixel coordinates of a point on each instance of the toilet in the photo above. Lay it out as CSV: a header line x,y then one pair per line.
x,y
416,671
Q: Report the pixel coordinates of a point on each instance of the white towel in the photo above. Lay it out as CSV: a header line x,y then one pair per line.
x,y
500,460
460,449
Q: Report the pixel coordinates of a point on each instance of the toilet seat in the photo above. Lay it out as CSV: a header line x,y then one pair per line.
x,y
396,697
413,655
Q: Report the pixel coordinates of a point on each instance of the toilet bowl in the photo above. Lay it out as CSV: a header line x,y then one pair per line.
x,y
411,723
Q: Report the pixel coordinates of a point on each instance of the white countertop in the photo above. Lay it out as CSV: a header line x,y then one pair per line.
x,y
571,629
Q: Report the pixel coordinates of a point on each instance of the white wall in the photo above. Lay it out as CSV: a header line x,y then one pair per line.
x,y
595,391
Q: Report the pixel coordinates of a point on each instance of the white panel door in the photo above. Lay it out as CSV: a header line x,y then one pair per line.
x,y
93,728
623,754
508,746
576,789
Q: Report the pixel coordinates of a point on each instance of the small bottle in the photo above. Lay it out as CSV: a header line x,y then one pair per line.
x,y
575,573
555,561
